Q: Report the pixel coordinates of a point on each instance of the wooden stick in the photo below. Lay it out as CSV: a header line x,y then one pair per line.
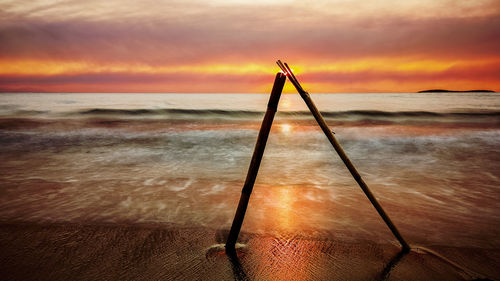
x,y
336,145
258,152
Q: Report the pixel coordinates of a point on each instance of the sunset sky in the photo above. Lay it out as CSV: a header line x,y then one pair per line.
x,y
231,46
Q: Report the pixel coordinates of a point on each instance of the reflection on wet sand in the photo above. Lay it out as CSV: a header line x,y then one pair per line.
x,y
271,258
289,255
240,274
282,215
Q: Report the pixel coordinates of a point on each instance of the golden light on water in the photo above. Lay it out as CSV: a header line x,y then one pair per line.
x,y
278,206
286,128
285,103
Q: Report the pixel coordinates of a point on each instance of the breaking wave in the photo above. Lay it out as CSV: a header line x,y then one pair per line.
x,y
247,113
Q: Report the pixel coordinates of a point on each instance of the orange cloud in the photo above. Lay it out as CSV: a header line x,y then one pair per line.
x,y
361,75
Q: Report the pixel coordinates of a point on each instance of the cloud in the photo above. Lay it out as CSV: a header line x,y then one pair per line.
x,y
132,78
488,72
248,36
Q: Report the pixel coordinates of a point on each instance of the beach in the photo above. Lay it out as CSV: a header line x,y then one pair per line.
x,y
129,187
153,252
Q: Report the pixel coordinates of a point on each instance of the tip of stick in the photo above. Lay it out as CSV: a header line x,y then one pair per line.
x,y
283,68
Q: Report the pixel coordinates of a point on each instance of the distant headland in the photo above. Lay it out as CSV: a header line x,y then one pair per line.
x,y
449,91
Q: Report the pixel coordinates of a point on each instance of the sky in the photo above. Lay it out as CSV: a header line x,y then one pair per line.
x,y
231,46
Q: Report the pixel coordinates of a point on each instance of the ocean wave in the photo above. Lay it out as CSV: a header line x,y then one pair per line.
x,y
198,112
160,119
246,113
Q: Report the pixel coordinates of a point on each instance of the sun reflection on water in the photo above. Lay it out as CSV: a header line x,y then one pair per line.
x,y
286,128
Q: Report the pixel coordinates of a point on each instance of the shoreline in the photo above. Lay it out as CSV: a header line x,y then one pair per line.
x,y
63,251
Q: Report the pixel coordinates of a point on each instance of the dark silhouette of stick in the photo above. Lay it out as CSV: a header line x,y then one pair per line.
x,y
336,145
272,106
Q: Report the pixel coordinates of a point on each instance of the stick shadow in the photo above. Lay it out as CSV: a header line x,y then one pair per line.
x,y
384,275
238,271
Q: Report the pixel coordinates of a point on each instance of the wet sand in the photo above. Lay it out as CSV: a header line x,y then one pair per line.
x,y
169,252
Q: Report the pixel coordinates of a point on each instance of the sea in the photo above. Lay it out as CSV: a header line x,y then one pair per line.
x,y
431,159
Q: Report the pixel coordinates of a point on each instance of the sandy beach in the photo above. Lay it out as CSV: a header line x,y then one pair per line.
x,y
162,252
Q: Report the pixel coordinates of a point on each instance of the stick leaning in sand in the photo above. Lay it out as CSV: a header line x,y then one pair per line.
x,y
258,152
336,145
